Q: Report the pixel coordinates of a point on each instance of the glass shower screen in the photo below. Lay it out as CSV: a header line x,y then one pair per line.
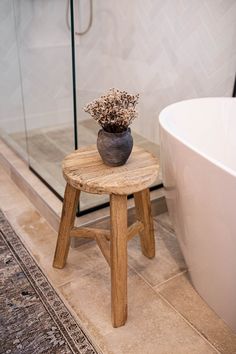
x,y
58,55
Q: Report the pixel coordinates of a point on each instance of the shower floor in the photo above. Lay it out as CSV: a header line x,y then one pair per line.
x,y
48,146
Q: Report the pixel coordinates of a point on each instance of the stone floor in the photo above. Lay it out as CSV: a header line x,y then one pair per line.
x,y
166,315
48,146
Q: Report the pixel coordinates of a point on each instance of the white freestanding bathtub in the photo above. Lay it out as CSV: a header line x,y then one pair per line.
x,y
198,154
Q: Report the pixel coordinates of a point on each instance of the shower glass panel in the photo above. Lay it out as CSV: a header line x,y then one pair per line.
x,y
44,44
113,50
46,81
12,120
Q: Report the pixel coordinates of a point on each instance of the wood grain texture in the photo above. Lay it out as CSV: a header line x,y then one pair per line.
x,y
143,211
104,246
134,229
89,232
118,205
85,170
70,203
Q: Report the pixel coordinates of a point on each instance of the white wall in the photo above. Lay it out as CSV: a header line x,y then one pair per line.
x,y
166,50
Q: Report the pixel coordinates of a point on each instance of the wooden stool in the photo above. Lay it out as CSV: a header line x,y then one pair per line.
x,y
85,171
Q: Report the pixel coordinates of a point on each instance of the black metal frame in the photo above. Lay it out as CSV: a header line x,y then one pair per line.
x,y
46,183
234,89
72,27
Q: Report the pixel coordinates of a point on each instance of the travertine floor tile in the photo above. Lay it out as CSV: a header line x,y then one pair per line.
x,y
168,260
40,239
152,326
10,196
165,221
89,296
181,294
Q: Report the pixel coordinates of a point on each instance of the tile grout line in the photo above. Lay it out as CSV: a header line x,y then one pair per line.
x,y
167,280
169,230
178,313
189,323
163,282
59,285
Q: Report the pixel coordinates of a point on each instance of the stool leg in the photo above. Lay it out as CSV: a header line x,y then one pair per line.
x,y
143,211
70,203
118,205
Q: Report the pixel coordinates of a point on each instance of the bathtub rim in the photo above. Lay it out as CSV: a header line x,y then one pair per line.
x,y
164,125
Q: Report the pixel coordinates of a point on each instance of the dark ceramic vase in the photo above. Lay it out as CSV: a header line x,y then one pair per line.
x,y
114,148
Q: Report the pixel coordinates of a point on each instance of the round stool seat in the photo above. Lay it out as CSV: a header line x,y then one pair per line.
x,y
85,170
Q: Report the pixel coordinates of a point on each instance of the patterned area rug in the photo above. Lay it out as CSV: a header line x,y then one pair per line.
x,y
33,319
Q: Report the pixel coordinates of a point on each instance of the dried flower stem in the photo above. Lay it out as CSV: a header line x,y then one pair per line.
x,y
114,111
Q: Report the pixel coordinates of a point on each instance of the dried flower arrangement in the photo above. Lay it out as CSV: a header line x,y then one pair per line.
x,y
114,111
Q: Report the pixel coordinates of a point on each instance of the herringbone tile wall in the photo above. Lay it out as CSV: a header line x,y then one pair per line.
x,y
167,50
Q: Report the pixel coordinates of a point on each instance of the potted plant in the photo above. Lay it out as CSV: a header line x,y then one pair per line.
x,y
114,111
